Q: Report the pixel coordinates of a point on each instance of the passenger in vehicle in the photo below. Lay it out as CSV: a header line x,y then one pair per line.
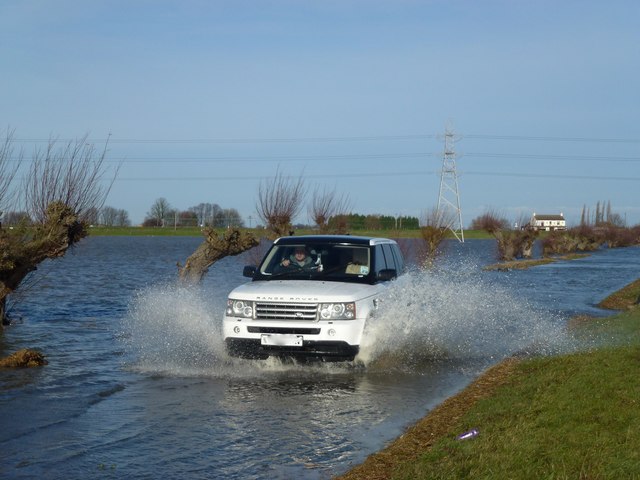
x,y
299,260
359,264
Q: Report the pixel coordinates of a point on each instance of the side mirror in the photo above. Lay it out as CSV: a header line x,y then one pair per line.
x,y
249,271
387,274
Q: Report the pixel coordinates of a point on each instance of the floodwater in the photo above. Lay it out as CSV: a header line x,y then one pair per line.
x,y
138,383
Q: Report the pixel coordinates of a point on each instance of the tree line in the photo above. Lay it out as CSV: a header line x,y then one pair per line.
x,y
107,216
162,214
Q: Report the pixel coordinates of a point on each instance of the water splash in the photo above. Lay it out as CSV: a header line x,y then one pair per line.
x,y
423,317
431,315
177,331
173,329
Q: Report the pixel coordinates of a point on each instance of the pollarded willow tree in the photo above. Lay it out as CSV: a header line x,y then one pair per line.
x,y
61,186
280,199
326,204
214,247
435,228
512,243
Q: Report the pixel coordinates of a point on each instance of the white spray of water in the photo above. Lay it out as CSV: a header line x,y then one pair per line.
x,y
173,329
423,316
177,331
428,315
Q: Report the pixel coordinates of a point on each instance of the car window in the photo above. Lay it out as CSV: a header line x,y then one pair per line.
x,y
357,261
388,256
336,262
397,255
380,263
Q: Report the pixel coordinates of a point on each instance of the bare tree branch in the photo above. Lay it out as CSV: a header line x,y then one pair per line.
x,y
435,228
326,204
490,221
9,166
280,199
71,174
511,244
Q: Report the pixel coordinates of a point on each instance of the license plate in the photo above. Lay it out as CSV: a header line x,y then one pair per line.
x,y
282,340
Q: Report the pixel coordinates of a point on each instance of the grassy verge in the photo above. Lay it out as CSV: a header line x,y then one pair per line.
x,y
145,231
623,299
527,263
570,416
519,264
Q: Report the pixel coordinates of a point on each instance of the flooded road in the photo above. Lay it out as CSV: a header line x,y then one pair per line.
x,y
138,383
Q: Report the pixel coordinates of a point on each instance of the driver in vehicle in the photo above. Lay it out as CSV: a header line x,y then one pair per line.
x,y
299,260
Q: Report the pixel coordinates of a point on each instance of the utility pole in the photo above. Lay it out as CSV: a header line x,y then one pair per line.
x,y
449,197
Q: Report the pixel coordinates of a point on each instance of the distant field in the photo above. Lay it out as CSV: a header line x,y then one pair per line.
x,y
197,232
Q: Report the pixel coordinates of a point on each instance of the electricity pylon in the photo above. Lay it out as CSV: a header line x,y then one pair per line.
x,y
448,209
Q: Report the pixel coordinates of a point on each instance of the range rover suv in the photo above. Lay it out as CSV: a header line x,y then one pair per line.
x,y
310,297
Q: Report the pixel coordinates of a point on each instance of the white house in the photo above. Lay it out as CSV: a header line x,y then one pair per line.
x,y
548,222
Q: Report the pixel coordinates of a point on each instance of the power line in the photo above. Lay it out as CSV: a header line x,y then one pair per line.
x,y
362,156
236,140
554,157
245,177
552,139
278,158
386,174
553,176
115,140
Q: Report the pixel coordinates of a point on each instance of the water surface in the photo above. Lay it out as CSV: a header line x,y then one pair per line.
x,y
138,383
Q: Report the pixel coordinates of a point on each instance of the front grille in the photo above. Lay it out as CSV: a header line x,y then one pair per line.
x,y
289,331
286,311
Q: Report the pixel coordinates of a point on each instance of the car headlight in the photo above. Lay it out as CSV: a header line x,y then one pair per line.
x,y
239,308
338,311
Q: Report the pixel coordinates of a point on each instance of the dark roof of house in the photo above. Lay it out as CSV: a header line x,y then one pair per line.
x,y
548,217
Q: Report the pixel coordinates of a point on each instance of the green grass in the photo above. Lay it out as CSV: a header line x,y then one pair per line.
x,y
625,298
528,263
571,416
146,231
519,264
197,232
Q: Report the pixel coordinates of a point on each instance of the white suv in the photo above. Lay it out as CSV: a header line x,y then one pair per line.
x,y
310,297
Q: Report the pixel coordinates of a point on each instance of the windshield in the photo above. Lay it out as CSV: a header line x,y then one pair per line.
x,y
314,261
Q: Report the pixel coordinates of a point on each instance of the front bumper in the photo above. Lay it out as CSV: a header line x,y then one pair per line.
x,y
323,349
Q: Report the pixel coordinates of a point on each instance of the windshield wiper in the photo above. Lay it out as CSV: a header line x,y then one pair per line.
x,y
295,272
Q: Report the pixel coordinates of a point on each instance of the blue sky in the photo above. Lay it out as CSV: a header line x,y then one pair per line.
x,y
203,99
